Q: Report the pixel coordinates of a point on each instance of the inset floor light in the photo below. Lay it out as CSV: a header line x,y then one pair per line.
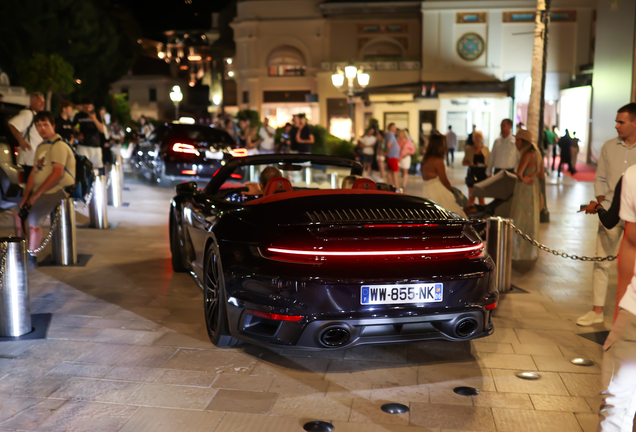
x,y
582,362
528,375
318,426
466,391
395,408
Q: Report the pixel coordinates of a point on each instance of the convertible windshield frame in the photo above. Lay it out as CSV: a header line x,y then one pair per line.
x,y
225,171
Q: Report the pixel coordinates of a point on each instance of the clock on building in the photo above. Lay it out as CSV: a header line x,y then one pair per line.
x,y
470,46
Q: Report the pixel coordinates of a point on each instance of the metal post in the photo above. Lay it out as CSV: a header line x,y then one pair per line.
x,y
499,243
333,180
114,190
119,163
15,309
64,240
97,211
308,175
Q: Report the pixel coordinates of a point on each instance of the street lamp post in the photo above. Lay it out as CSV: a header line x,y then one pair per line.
x,y
350,72
176,96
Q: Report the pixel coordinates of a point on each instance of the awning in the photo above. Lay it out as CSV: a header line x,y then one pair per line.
x,y
431,89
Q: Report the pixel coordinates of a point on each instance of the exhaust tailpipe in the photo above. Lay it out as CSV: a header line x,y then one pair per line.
x,y
466,327
335,336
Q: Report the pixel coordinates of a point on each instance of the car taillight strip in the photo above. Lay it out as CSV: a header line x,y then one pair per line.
x,y
401,226
184,148
450,250
272,316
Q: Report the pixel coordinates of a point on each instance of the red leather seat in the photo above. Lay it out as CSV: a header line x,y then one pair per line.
x,y
364,183
278,185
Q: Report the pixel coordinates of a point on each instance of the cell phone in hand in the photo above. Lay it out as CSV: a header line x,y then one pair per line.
x,y
583,206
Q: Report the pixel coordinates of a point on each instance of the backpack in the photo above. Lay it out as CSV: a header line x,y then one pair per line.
x,y
84,175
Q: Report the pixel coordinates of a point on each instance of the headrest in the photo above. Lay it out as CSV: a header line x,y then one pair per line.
x,y
364,183
278,185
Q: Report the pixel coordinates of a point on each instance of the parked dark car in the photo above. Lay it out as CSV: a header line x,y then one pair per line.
x,y
322,268
177,151
10,172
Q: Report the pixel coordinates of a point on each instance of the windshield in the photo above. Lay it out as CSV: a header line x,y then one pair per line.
x,y
201,134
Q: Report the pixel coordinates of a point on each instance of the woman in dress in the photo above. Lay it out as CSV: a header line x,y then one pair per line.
x,y
437,188
527,200
476,159
407,148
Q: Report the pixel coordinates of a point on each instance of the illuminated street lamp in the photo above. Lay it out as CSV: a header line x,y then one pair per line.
x,y
176,96
350,72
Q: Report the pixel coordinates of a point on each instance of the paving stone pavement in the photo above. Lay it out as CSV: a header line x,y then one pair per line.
x,y
127,349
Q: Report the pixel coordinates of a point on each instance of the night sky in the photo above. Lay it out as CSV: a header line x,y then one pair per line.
x,y
157,16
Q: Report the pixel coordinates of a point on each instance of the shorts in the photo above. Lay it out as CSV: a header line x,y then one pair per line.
x,y
367,158
405,163
43,206
94,154
392,163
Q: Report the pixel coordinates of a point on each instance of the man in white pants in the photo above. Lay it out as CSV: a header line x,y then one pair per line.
x,y
617,155
619,360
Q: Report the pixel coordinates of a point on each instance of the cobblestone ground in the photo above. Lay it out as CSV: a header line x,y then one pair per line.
x,y
127,349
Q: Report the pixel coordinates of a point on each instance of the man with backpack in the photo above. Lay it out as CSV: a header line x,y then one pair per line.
x,y
53,171
22,128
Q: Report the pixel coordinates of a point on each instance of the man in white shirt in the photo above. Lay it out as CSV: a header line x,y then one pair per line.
x,y
451,143
619,360
504,154
617,155
266,134
23,129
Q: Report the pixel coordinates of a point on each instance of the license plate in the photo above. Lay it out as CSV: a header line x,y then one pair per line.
x,y
399,294
213,155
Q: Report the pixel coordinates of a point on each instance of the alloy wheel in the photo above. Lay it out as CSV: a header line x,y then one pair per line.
x,y
212,287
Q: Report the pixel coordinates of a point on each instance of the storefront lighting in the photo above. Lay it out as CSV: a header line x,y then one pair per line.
x,y
161,54
230,74
216,99
228,60
194,57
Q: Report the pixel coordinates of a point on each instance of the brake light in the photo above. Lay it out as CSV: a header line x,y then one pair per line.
x,y
491,306
405,252
401,226
189,172
241,152
184,148
277,317
235,176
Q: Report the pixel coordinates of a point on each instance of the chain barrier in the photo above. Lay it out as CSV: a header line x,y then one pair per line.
x,y
555,252
48,238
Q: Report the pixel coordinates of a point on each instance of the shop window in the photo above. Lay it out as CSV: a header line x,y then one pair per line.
x,y
286,61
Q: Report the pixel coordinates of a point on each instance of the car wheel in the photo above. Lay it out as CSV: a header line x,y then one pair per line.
x,y
214,306
175,245
159,174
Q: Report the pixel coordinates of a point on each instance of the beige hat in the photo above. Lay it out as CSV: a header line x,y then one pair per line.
x,y
524,134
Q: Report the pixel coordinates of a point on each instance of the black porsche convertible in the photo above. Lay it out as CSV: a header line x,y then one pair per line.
x,y
301,263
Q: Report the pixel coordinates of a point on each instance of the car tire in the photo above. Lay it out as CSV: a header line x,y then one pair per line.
x,y
175,245
159,174
214,306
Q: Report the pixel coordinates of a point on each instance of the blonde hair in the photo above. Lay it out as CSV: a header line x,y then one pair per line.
x,y
348,181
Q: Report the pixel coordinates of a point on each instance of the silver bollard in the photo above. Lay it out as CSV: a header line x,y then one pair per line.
x,y
15,308
333,181
97,211
64,240
307,174
499,242
114,190
119,163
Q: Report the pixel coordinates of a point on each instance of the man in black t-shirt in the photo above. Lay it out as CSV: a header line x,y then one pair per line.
x,y
90,127
292,134
64,123
304,136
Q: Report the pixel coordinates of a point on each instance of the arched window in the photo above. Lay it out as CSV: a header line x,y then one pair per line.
x,y
286,61
382,50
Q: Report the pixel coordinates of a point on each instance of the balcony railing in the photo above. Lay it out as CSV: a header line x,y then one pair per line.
x,y
387,65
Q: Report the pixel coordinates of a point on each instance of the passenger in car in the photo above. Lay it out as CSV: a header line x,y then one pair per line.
x,y
348,181
266,175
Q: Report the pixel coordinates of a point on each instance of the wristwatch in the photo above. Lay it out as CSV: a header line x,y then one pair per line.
x,y
597,206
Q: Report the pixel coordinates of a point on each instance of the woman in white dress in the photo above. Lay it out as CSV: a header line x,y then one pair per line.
x,y
437,188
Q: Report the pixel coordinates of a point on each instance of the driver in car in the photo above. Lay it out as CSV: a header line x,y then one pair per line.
x,y
266,175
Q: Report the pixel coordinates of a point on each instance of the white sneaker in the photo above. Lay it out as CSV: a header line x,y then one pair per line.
x,y
590,318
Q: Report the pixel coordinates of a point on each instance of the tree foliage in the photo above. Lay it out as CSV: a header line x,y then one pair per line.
x,y
47,74
98,38
121,109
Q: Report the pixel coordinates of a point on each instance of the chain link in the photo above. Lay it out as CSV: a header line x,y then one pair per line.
x,y
555,252
3,250
49,236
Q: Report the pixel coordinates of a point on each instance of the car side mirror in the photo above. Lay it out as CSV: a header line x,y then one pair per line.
x,y
187,189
